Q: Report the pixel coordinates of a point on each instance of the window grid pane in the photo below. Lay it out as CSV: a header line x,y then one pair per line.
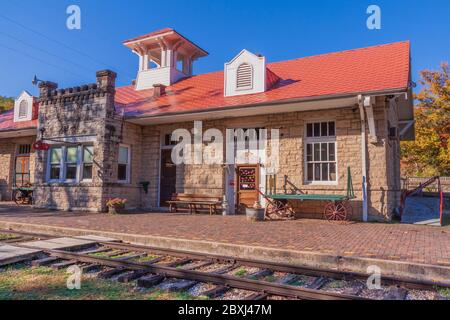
x,y
321,161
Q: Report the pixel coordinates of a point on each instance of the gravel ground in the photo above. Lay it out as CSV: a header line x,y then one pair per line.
x,y
235,294
198,289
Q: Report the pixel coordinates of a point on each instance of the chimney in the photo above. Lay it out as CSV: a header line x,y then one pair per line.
x,y
106,79
159,90
45,87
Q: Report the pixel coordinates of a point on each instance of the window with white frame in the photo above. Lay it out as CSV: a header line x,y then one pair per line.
x,y
70,163
88,162
123,167
321,163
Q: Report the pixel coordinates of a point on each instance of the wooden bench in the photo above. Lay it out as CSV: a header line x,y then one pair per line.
x,y
194,202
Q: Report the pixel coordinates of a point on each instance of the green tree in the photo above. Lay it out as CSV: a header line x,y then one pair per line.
x,y
429,154
6,103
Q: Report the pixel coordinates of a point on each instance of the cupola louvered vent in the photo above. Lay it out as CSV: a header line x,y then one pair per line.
x,y
244,76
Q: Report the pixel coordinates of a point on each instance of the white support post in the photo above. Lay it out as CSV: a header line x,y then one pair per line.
x,y
368,105
365,205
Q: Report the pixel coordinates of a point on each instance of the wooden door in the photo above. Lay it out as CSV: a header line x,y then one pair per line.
x,y
22,171
168,177
248,182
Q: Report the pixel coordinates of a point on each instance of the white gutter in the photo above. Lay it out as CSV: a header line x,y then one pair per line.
x,y
365,206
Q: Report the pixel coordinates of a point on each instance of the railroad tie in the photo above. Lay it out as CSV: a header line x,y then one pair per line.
x,y
44,262
63,264
179,285
131,276
215,292
92,251
177,263
150,281
131,257
260,274
199,265
318,283
288,279
90,268
107,274
396,294
256,296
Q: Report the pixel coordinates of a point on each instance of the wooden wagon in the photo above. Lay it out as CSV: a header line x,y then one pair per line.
x,y
337,207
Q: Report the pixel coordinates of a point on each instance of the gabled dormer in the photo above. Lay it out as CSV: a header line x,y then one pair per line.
x,y
25,107
247,74
165,57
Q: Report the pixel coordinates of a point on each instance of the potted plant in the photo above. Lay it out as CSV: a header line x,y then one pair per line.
x,y
116,205
256,213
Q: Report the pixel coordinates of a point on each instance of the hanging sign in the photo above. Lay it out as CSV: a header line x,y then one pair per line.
x,y
40,145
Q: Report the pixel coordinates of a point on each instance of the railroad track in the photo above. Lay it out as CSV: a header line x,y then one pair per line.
x,y
181,271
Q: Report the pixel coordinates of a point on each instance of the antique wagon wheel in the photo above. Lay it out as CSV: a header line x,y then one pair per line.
x,y
336,211
278,208
18,196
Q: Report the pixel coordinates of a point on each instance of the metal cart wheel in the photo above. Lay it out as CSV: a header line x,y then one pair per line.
x,y
336,211
18,196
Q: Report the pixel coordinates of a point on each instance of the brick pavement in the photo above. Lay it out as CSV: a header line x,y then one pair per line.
x,y
422,244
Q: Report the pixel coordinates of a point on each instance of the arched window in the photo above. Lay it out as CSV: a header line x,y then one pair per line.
x,y
244,76
23,109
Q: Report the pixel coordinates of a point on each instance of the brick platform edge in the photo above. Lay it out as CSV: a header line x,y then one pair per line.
x,y
417,271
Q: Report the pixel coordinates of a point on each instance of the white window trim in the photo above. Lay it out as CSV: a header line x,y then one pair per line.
x,y
308,140
128,179
81,159
62,164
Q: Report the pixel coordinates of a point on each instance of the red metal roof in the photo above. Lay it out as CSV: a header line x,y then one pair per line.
x,y
7,122
378,68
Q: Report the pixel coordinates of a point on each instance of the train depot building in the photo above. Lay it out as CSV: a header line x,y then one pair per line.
x,y
338,115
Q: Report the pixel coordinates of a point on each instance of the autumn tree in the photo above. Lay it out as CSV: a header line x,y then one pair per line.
x,y
429,154
6,103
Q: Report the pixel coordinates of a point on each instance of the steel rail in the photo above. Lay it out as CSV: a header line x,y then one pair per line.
x,y
281,267
218,279
275,266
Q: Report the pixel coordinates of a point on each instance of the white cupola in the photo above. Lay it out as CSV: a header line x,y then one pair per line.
x,y
165,57
245,74
24,107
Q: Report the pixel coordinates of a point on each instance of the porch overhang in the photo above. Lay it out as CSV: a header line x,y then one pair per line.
x,y
284,106
18,133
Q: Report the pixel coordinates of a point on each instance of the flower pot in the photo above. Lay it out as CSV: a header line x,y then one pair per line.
x,y
116,209
255,214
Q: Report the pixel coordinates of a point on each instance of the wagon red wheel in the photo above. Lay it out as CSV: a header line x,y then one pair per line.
x,y
18,197
336,211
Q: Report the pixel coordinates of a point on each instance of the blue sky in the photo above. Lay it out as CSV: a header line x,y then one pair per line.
x,y
34,38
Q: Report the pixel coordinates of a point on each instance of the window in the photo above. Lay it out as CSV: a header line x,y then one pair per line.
x,y
244,76
24,149
70,163
23,109
88,160
321,164
123,168
55,163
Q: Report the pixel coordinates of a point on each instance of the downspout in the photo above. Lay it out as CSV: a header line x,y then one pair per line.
x,y
363,157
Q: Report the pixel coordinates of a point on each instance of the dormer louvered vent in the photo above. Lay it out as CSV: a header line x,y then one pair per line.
x,y
23,109
244,76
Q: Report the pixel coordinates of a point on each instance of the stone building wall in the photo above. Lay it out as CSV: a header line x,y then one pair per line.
x,y
79,116
382,160
8,152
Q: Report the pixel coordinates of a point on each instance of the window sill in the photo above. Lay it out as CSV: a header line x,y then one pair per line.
x,y
321,183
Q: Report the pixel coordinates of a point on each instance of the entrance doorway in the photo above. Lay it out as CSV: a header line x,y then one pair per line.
x,y
248,182
168,177
22,171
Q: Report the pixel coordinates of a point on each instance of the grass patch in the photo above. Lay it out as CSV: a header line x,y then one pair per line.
x,y
443,291
146,258
240,273
43,283
7,236
270,278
